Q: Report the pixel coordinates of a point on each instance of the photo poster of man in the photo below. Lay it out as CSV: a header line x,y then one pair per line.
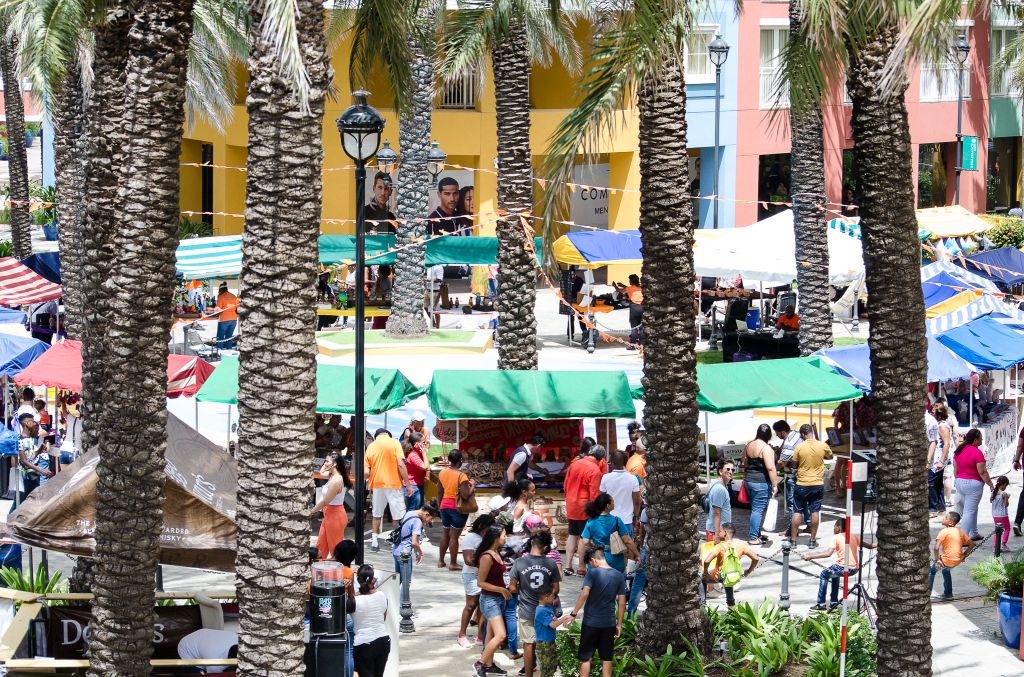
x,y
381,203
452,203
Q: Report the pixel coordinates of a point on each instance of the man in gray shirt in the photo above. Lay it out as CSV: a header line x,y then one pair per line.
x,y
532,574
719,506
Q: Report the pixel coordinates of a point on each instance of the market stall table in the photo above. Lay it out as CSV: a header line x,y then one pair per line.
x,y
765,346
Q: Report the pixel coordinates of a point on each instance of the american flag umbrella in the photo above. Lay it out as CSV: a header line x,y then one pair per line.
x,y
20,285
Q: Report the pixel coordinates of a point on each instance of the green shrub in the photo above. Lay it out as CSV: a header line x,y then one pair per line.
x,y
187,228
568,644
822,655
40,583
1007,233
997,575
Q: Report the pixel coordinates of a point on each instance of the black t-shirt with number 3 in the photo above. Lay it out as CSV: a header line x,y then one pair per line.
x,y
533,574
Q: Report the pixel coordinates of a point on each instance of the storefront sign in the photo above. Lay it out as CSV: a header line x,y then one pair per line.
x,y
588,205
67,632
969,157
496,438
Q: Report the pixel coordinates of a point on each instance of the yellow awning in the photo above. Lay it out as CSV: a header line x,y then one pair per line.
x,y
952,303
952,221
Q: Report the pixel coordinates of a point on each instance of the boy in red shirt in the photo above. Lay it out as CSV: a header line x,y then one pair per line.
x,y
949,552
835,572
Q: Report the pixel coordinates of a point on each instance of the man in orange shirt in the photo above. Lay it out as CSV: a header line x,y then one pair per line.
x,y
789,320
637,463
949,552
227,320
635,294
835,572
388,478
582,485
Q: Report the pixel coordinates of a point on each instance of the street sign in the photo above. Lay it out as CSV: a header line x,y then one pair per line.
x,y
969,160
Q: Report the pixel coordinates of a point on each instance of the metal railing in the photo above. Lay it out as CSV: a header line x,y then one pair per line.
x,y
461,93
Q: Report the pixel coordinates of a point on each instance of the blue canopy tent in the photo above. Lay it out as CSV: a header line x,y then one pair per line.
x,y
13,316
45,264
986,344
17,352
1004,266
967,278
854,362
942,287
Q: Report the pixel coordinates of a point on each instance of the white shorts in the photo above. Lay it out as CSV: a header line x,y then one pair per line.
x,y
389,497
470,584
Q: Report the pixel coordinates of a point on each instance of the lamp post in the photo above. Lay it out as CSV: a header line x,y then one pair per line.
x,y
961,50
387,159
360,126
718,51
435,162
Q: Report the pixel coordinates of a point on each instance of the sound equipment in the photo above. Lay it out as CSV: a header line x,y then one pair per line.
x,y
325,656
865,462
328,599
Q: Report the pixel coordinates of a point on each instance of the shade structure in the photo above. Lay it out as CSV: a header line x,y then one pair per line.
x,y
455,250
1004,266
986,305
386,389
209,257
952,303
966,278
592,249
61,367
46,264
855,362
198,515
512,394
951,221
986,344
851,226
17,352
942,287
12,316
20,285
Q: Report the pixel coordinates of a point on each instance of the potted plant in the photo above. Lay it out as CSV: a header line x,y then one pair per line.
x,y
45,215
1004,582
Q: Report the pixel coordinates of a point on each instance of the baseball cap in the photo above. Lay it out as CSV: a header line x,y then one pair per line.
x,y
418,416
532,521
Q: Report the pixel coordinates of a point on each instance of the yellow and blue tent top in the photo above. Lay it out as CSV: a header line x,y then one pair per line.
x,y
592,249
952,303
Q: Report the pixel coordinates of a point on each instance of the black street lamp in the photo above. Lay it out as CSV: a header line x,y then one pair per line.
x,y
718,51
387,159
360,126
435,162
961,50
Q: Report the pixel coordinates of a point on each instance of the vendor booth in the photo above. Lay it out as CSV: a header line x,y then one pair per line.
x,y
1004,266
987,305
20,285
18,352
854,362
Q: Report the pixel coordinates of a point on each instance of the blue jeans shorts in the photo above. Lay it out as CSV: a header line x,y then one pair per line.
x,y
492,606
453,519
808,498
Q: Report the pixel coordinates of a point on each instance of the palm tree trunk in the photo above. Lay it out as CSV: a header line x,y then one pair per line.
x,y
130,489
807,167
69,158
277,369
517,270
892,259
17,159
670,368
407,319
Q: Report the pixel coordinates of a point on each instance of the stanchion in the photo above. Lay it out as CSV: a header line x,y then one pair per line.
x,y
784,593
999,540
406,624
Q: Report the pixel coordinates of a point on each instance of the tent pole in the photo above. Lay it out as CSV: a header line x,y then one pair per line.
x,y
385,419
458,432
227,444
970,402
195,400
707,447
760,301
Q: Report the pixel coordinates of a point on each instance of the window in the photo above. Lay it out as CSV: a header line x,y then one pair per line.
x,y
461,92
939,80
699,69
773,45
1000,76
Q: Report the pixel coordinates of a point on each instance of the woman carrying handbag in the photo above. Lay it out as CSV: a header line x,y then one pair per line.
x,y
458,502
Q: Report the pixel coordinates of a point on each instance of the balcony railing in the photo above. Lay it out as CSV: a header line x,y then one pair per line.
x,y
461,93
771,78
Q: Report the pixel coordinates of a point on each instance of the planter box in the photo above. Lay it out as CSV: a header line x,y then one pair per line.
x,y
1009,619
50,232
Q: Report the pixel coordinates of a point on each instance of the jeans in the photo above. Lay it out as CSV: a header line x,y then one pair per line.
x,y
936,491
790,487
492,289
636,590
511,626
947,581
350,629
403,569
834,574
968,496
758,493
415,500
1019,517
225,330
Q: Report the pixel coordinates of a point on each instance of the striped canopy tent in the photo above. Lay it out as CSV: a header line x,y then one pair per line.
x,y
19,285
952,303
851,226
985,305
210,257
940,271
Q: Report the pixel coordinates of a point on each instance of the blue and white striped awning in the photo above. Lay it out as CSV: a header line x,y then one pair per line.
x,y
210,257
851,226
970,280
986,305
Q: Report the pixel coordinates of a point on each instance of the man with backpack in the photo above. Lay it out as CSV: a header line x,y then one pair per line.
x,y
726,556
405,539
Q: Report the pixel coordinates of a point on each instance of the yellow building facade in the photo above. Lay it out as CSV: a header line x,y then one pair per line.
x,y
464,125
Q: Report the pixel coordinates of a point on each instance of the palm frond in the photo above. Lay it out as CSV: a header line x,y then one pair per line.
x,y
468,35
550,32
381,31
807,73
279,29
51,34
218,46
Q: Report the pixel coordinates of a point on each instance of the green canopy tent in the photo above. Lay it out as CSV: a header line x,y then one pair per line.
x,y
386,389
469,251
463,394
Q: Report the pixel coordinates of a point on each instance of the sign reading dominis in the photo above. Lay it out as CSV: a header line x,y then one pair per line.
x,y
969,159
588,205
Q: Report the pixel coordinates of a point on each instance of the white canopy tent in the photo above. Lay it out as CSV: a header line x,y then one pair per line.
x,y
764,252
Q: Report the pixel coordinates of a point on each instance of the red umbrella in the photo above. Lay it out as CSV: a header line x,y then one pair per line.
x,y
186,374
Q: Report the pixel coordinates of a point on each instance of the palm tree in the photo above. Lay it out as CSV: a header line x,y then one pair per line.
x,y
17,159
129,516
641,51
807,169
872,42
289,73
515,33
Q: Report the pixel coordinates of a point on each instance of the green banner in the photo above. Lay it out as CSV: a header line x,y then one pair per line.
x,y
969,157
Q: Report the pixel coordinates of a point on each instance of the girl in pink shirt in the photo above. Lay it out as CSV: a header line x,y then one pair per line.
x,y
971,479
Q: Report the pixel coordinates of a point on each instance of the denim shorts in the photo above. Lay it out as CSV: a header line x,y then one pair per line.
x,y
492,606
453,519
808,498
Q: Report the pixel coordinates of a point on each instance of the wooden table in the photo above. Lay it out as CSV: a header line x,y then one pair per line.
x,y
369,311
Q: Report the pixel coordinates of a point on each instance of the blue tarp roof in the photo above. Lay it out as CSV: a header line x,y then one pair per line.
x,y
1005,265
10,315
941,287
855,363
17,352
986,343
45,264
